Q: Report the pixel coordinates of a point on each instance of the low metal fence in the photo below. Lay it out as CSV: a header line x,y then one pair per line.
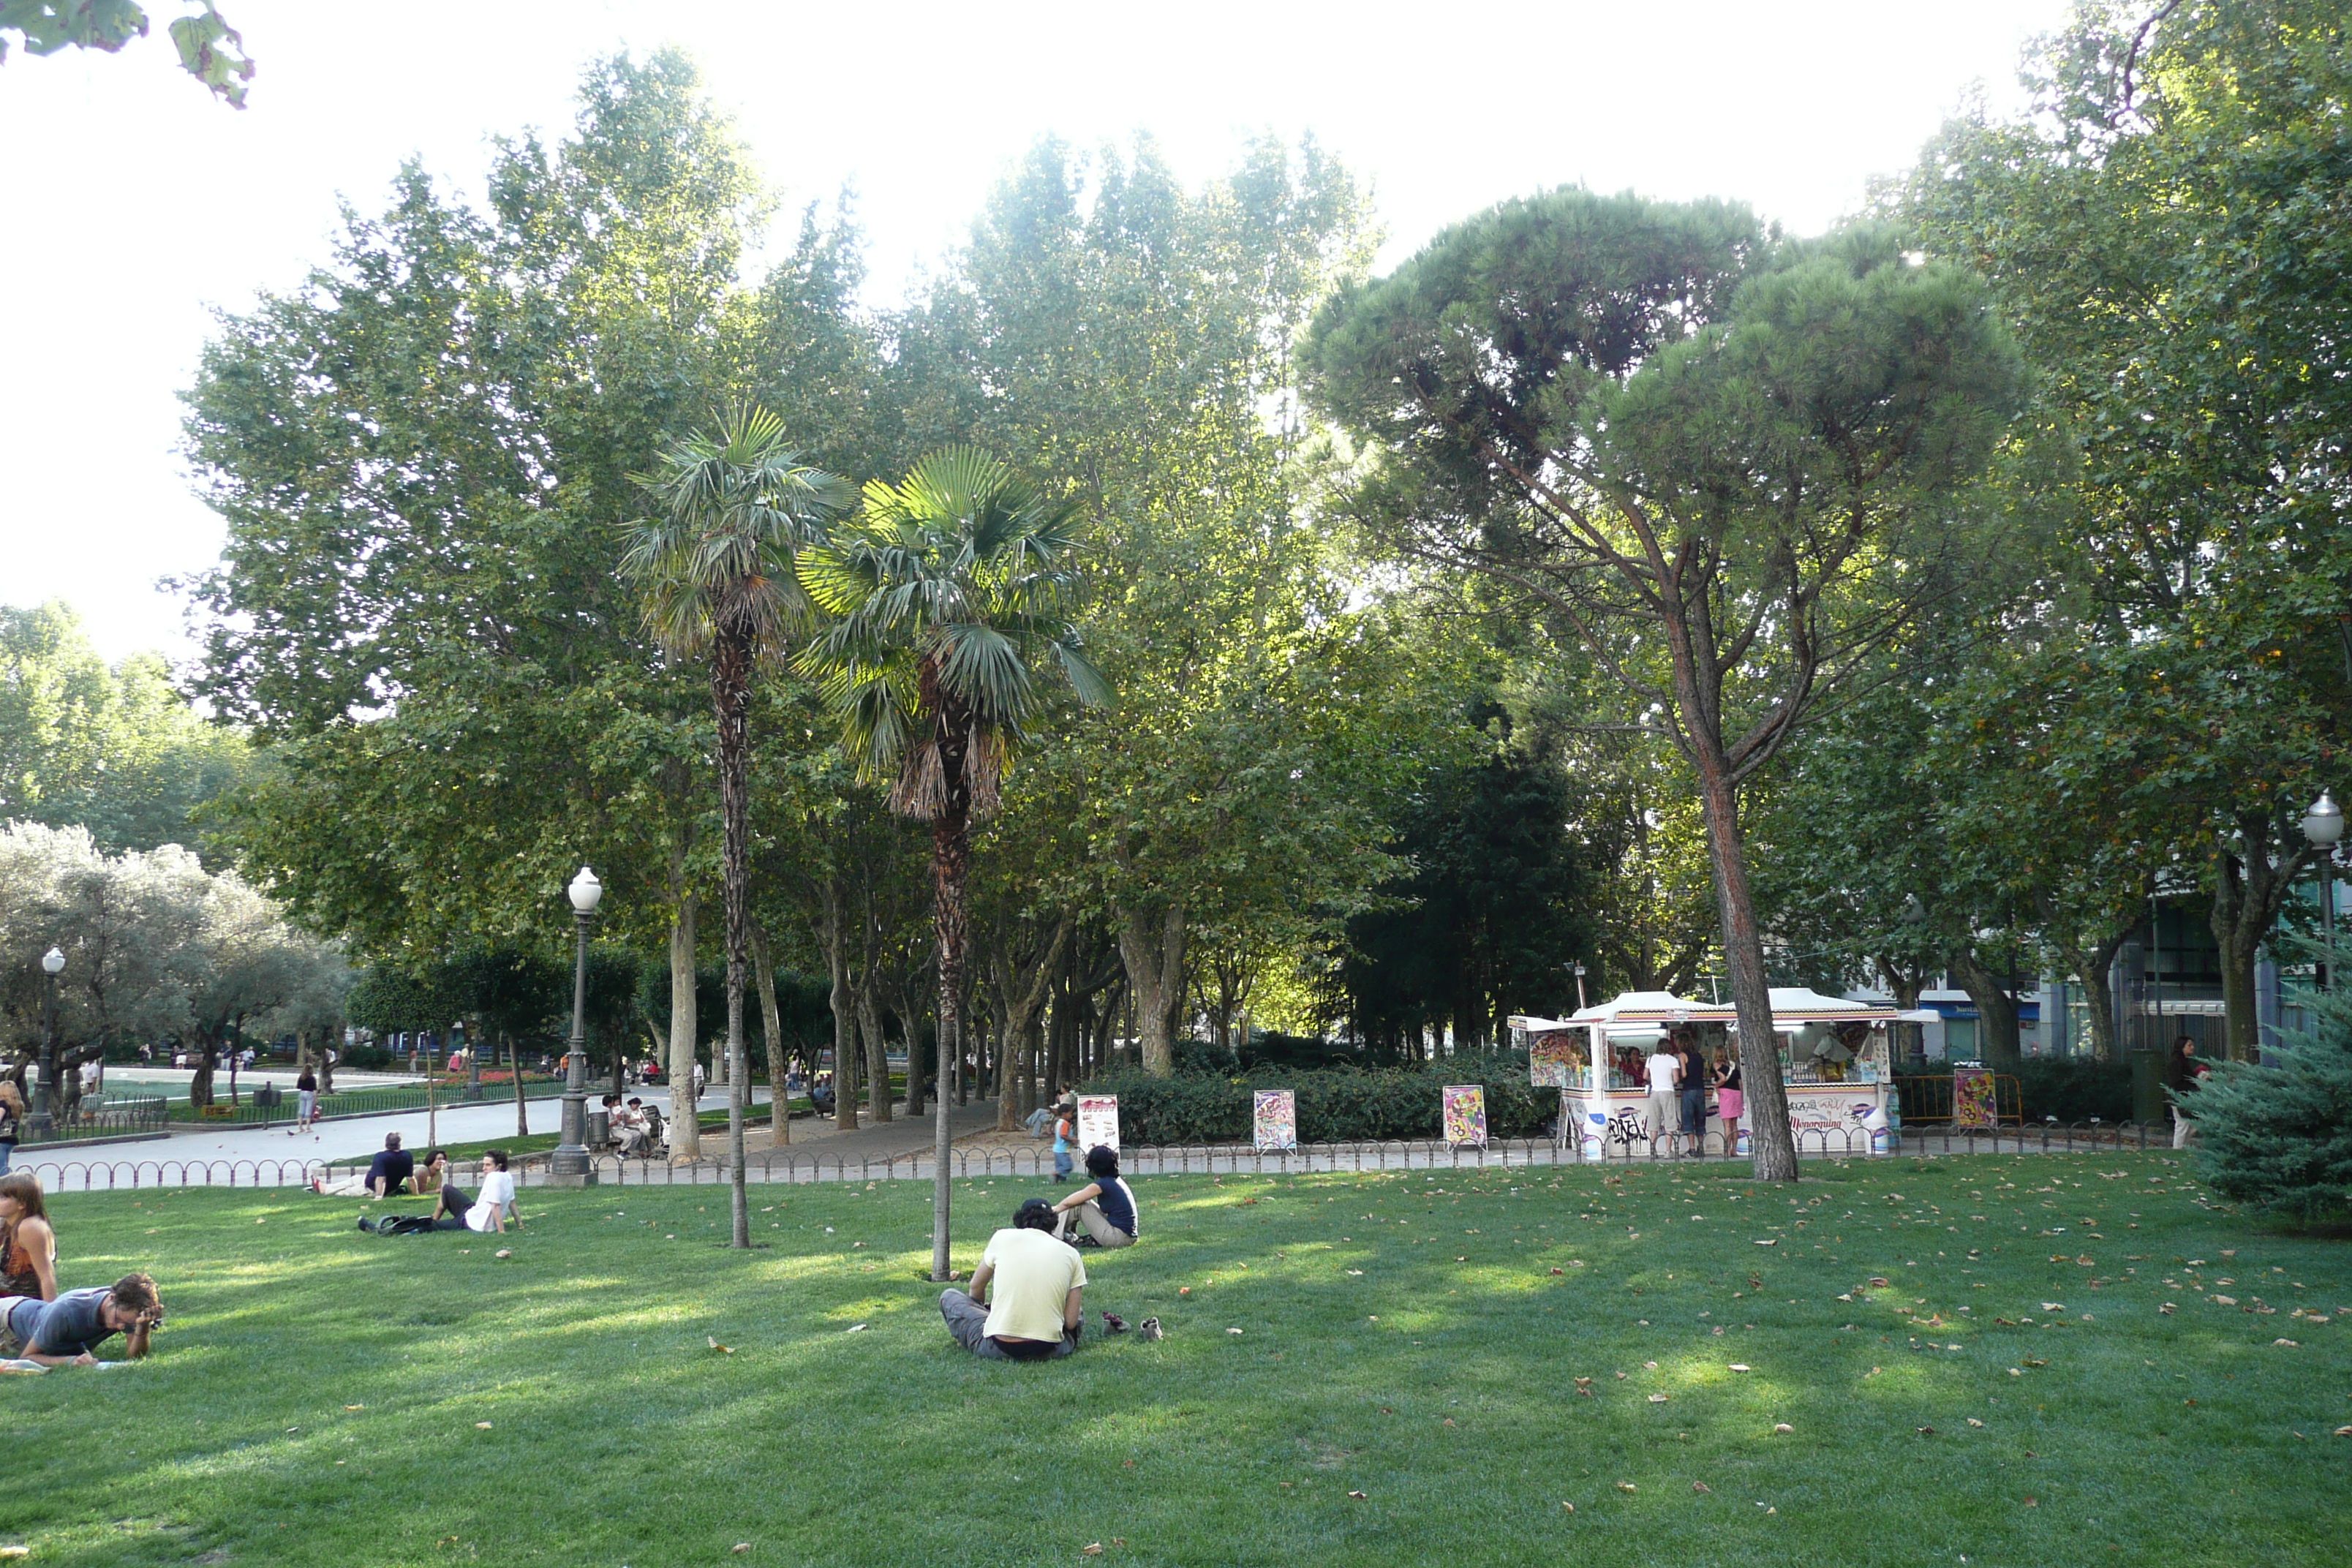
x,y
1928,1097
790,1166
253,1110
93,1118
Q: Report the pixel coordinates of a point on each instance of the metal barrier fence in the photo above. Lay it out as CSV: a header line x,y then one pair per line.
x,y
1927,1096
109,1118
374,1100
1218,1160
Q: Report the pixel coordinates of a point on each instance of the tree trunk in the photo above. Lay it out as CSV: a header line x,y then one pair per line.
x,y
522,1107
2250,890
1996,1009
1153,952
684,1131
1767,1114
877,1049
200,1084
844,1025
910,1022
731,702
780,1109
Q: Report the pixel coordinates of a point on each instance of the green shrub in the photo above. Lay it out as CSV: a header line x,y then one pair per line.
x,y
2074,1088
2278,1134
1336,1105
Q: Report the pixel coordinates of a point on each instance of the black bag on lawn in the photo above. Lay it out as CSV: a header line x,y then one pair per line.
x,y
403,1224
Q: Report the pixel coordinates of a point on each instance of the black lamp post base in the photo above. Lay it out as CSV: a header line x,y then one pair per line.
x,y
570,1168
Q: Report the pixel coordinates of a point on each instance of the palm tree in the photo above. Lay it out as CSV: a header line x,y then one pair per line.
x,y
949,591
716,565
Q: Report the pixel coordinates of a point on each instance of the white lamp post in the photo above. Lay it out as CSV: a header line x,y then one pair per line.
x,y
2323,825
42,1122
569,1166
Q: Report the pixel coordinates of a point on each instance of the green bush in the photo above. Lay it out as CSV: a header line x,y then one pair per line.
x,y
2278,1134
2074,1088
1336,1105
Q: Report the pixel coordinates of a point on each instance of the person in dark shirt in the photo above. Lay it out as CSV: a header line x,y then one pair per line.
x,y
69,1331
448,1210
1105,1206
392,1169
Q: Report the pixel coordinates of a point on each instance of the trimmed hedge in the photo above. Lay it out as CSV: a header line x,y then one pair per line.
x,y
2074,1088
1336,1105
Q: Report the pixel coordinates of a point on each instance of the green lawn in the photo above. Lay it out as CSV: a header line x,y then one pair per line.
x,y
318,1395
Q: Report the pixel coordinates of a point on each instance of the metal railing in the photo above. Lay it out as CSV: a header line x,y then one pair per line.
x,y
794,1166
375,1099
1927,1096
94,1118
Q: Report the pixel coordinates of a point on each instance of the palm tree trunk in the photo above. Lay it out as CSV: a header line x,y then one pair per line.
x,y
730,695
950,872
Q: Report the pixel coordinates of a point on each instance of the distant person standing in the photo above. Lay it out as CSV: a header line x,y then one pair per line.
x,y
1663,1071
1728,1100
306,1101
12,1116
1065,1119
2184,1071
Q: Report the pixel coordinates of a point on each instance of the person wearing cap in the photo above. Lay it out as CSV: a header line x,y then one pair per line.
x,y
1032,1285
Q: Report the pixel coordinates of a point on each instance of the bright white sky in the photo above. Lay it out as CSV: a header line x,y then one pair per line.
x,y
137,205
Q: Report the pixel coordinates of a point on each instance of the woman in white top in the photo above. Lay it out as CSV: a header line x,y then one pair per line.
x,y
496,1206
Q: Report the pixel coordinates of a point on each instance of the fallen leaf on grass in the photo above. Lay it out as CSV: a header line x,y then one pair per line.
x,y
1657,1399
1570,1506
482,1425
722,1350
1741,1367
22,1551
503,1252
2289,1344
1774,1243
1360,1497
1627,1487
1974,1421
1782,1429
1094,1549
2343,1431
1877,1282
2032,1502
1925,1431
855,1329
1702,1487
355,1407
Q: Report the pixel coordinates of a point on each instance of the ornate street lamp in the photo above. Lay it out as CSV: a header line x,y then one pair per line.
x,y
42,1122
2323,825
569,1166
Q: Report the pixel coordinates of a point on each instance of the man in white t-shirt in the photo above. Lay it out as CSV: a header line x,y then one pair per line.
x,y
1033,1310
496,1206
1663,1071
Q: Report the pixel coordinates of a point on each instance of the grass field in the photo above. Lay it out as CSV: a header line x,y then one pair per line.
x,y
1406,1387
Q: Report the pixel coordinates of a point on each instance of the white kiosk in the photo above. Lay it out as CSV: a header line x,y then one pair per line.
x,y
1836,1055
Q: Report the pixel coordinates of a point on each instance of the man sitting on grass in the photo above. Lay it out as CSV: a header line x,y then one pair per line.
x,y
69,1331
1034,1310
390,1172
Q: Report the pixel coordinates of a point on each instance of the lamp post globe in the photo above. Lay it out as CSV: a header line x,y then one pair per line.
x,y
569,1165
43,1120
2323,825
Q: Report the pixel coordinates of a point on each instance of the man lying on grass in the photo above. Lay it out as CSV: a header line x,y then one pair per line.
x,y
69,1331
1033,1312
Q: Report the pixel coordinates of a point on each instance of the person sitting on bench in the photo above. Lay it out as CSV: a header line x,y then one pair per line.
x,y
1104,1206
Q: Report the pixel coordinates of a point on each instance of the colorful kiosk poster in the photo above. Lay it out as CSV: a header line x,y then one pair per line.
x,y
1553,1059
1974,1107
1465,1115
1274,1119
1097,1121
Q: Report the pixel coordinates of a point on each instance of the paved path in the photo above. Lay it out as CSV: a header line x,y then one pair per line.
x,y
273,1156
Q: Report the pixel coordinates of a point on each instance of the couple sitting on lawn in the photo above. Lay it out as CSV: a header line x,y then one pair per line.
x,y
454,1210
1035,1308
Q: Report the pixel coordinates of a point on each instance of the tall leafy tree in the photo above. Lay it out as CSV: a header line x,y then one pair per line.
x,y
1726,465
716,565
2166,226
950,589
